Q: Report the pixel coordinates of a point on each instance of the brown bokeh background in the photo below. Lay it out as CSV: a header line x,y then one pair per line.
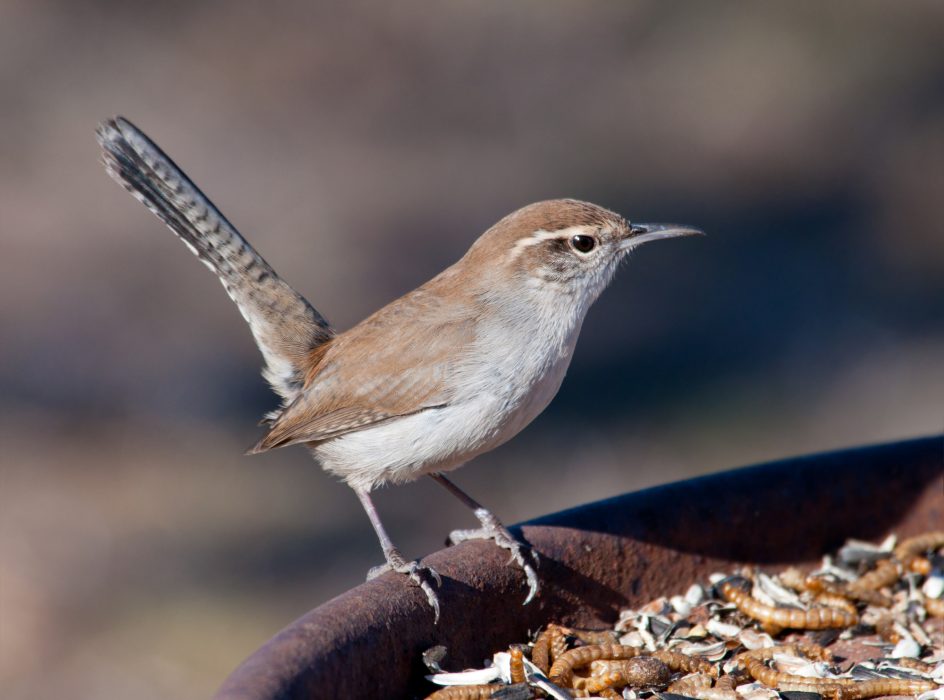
x,y
361,147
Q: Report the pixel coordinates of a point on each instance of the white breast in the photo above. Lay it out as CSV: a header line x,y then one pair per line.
x,y
509,377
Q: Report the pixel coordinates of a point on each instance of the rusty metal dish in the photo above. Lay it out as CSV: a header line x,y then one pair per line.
x,y
597,559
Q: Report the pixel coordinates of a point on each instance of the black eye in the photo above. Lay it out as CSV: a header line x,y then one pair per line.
x,y
583,244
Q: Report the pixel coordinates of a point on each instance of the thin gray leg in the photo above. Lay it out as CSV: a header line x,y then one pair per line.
x,y
492,529
395,560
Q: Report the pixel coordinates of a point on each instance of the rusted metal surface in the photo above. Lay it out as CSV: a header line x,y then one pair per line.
x,y
597,559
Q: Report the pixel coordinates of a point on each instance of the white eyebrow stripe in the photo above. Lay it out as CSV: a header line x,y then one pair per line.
x,y
541,235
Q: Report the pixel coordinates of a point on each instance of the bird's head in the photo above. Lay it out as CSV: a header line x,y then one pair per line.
x,y
563,248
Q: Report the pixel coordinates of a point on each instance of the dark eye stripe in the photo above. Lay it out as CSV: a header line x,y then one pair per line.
x,y
560,245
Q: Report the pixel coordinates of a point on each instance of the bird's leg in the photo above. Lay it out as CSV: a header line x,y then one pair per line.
x,y
492,529
395,561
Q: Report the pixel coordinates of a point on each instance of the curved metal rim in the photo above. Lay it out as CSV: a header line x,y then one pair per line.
x,y
597,559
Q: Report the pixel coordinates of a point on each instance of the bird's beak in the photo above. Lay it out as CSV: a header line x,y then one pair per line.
x,y
643,233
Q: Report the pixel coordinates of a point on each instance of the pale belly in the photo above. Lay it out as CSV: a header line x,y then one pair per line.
x,y
493,410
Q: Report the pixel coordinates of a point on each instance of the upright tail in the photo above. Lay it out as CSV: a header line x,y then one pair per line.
x,y
286,327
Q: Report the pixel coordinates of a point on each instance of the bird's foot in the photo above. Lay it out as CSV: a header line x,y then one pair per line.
x,y
419,575
492,529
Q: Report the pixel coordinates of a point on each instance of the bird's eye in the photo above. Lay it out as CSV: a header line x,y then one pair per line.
x,y
583,244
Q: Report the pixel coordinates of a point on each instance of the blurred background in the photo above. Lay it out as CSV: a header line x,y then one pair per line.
x,y
362,147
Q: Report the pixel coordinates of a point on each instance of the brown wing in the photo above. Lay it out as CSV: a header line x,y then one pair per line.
x,y
390,365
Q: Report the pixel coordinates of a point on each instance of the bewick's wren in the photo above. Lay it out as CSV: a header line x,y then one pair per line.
x,y
433,379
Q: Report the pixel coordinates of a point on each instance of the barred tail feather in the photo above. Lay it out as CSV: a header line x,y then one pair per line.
x,y
286,327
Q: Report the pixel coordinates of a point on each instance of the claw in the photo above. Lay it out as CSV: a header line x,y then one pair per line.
x,y
504,539
414,571
534,585
492,529
431,597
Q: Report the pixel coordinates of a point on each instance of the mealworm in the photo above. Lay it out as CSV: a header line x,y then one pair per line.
x,y
914,664
557,641
885,686
607,680
760,671
811,686
601,667
517,664
684,663
642,671
800,648
934,606
884,574
919,545
793,578
562,669
609,693
811,650
775,619
690,684
814,584
839,688
466,692
730,681
920,565
551,643
540,652
594,636
834,600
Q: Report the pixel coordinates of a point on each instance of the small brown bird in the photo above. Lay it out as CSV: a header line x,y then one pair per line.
x,y
437,377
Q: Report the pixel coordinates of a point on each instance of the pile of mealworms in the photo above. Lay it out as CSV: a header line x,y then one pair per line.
x,y
869,622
